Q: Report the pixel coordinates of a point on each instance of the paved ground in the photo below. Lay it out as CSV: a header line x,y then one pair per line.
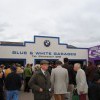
x,y
26,96
29,96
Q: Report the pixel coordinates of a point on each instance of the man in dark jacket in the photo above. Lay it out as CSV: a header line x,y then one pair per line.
x,y
51,66
13,84
98,70
71,74
95,88
40,82
1,84
27,76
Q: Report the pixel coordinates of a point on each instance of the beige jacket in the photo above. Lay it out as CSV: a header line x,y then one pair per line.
x,y
59,80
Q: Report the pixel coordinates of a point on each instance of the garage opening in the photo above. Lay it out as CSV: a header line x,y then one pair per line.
x,y
7,62
82,62
96,62
37,61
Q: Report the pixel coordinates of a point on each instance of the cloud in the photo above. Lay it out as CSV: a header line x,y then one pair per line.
x,y
76,22
3,26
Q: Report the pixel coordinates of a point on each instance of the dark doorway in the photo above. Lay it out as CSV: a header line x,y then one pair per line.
x,y
37,61
7,62
82,62
96,62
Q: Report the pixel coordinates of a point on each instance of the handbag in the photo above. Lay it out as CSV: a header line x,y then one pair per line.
x,y
75,95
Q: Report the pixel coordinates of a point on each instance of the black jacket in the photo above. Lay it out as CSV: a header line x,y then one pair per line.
x,y
2,82
71,73
13,81
95,92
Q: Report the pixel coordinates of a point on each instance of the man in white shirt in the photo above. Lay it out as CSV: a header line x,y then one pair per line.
x,y
82,87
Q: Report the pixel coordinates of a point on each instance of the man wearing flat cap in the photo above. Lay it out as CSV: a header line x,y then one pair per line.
x,y
40,82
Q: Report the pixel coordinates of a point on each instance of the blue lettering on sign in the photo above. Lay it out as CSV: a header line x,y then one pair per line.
x,y
19,52
13,52
62,54
43,53
31,53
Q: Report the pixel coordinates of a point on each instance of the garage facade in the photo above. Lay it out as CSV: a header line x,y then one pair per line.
x,y
42,47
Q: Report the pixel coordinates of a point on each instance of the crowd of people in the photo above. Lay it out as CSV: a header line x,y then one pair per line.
x,y
49,80
11,79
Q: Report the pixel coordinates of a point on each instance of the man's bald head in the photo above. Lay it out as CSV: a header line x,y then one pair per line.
x,y
77,66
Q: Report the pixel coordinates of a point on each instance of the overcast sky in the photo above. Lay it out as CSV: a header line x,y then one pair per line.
x,y
76,22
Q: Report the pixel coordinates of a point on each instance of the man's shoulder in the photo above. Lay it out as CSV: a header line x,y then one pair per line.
x,y
60,69
38,72
12,74
65,70
67,66
54,70
81,71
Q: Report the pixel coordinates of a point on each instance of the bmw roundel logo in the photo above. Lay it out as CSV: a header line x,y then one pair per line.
x,y
47,43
